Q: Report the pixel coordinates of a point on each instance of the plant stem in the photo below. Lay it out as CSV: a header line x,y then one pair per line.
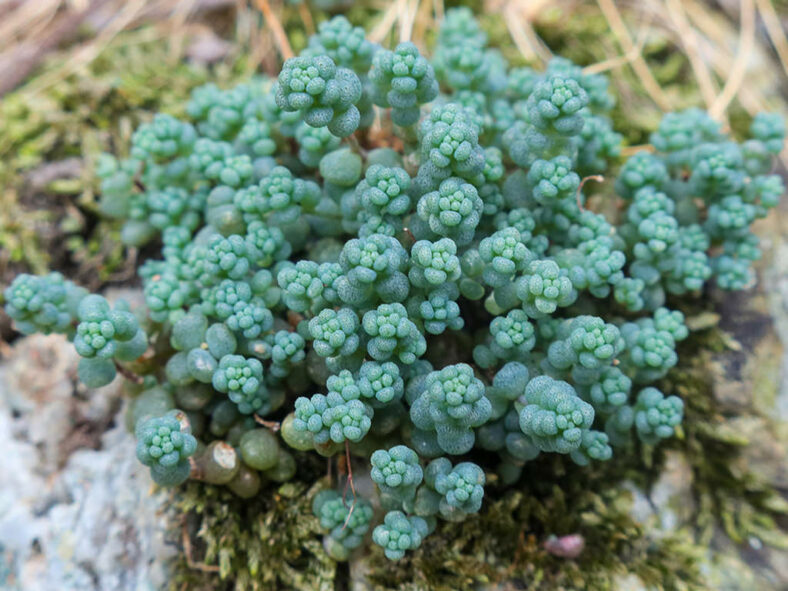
x,y
127,373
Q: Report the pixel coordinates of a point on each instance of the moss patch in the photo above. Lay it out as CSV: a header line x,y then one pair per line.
x,y
70,120
269,542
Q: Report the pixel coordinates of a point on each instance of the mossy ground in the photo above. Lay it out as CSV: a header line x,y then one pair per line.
x,y
51,130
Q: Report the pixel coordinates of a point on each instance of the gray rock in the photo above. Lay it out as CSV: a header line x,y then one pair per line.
x,y
76,509
668,505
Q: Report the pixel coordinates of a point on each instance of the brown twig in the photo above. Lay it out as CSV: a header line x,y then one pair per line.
x,y
272,425
127,373
349,468
349,513
282,43
187,552
354,144
594,177
306,17
349,481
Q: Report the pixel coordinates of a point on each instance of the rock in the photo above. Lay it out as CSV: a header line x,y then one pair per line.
x,y
729,568
671,495
775,277
642,509
45,174
76,511
570,546
750,389
107,532
208,48
38,384
669,505
629,582
764,458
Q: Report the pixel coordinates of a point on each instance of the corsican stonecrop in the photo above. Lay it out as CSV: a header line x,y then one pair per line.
x,y
341,288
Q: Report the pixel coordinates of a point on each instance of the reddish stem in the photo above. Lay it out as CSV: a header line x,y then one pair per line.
x,y
594,177
348,482
127,373
273,425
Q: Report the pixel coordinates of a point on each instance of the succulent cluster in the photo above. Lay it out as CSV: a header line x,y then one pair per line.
x,y
319,284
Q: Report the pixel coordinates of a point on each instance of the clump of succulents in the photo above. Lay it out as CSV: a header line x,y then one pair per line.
x,y
303,277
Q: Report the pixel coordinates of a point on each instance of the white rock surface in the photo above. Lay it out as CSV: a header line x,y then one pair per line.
x,y
76,512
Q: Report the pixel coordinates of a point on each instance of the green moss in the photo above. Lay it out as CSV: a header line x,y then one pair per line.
x,y
91,110
269,542
503,544
274,541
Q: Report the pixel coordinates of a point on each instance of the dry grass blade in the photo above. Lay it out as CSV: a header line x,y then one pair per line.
x,y
306,18
774,29
720,58
689,40
739,68
718,33
424,20
621,60
713,24
407,19
188,553
402,19
181,14
282,43
437,6
639,65
88,52
26,16
18,61
382,29
523,34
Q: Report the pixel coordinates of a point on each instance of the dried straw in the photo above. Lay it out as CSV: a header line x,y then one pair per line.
x,y
639,65
739,68
775,30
